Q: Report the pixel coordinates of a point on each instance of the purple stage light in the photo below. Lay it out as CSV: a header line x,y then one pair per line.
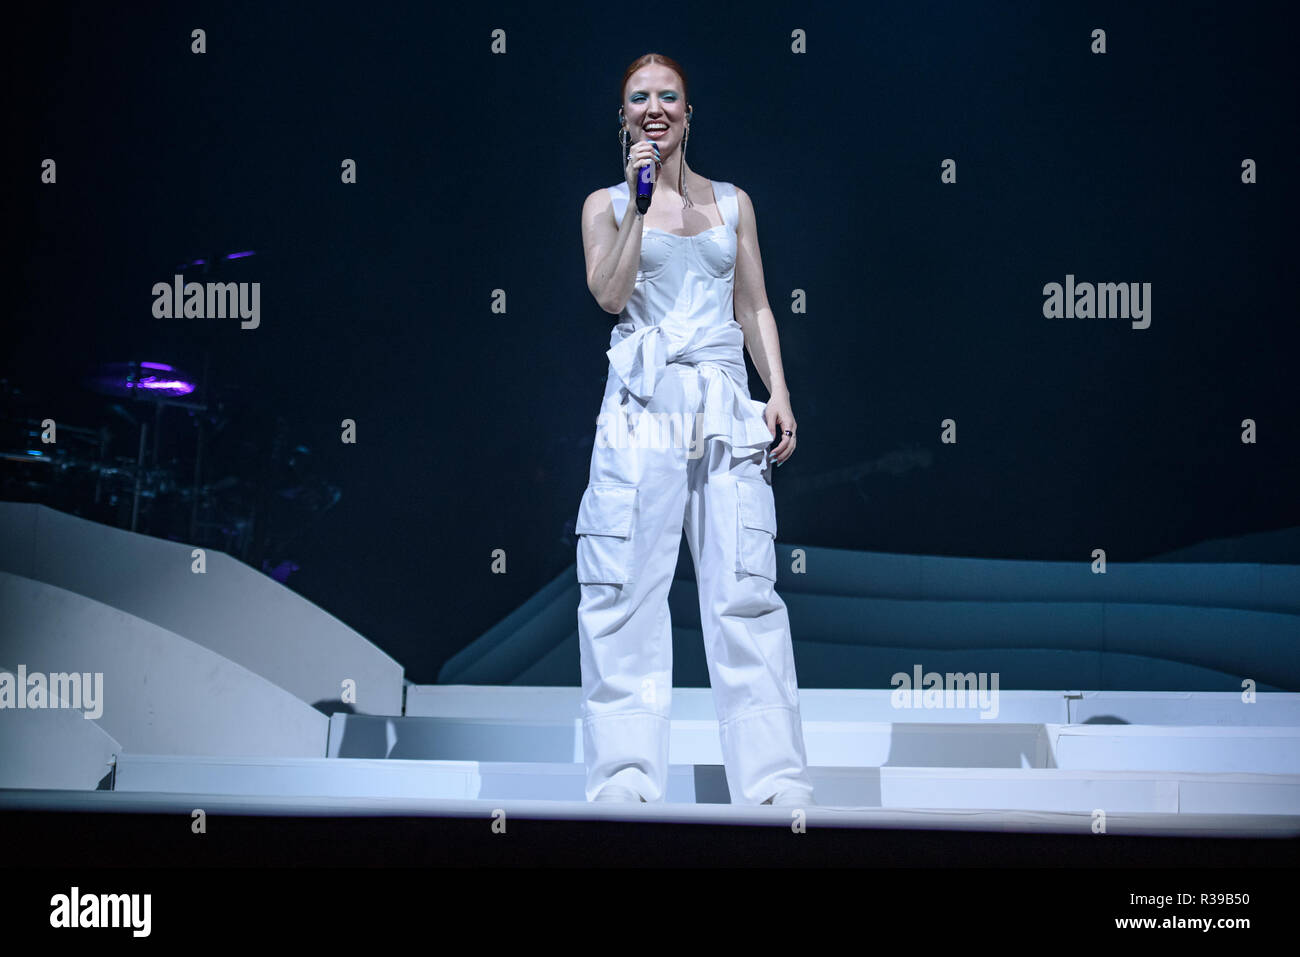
x,y
131,380
248,252
167,386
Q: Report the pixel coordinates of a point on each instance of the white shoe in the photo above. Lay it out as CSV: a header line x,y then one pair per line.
x,y
616,792
792,797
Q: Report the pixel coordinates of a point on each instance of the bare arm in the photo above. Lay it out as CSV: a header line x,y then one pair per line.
x,y
751,306
613,253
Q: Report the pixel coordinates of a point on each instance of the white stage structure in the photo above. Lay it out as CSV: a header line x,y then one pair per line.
x,y
222,690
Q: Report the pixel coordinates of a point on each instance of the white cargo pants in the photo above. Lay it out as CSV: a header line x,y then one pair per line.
x,y
649,484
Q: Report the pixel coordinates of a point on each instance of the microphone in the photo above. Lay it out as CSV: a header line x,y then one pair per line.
x,y
644,187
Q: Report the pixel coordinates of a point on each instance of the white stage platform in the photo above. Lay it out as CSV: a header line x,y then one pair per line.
x,y
1003,821
965,789
1051,761
224,688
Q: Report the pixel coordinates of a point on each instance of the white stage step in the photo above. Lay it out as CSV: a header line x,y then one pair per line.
x,y
1064,706
845,743
1047,790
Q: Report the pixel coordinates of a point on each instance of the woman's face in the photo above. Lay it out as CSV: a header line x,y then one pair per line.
x,y
653,98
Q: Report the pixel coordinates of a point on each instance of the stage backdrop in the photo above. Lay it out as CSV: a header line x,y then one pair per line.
x,y
941,189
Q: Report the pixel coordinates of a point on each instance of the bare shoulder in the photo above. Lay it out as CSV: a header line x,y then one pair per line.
x,y
596,199
745,206
597,207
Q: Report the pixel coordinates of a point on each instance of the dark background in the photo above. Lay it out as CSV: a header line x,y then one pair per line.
x,y
925,300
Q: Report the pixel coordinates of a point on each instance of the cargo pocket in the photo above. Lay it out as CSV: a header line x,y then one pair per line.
x,y
756,529
604,532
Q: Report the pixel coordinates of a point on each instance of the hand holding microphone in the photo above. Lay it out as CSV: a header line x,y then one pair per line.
x,y
642,165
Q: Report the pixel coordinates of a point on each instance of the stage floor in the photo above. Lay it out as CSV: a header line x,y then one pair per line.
x,y
143,830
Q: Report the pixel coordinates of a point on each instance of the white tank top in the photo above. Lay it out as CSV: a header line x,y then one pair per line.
x,y
681,310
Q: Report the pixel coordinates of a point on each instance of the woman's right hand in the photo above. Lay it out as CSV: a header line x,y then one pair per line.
x,y
640,154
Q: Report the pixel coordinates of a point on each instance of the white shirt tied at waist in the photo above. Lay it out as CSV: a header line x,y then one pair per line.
x,y
639,357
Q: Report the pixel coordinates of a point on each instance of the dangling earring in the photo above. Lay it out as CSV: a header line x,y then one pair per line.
x,y
623,138
681,169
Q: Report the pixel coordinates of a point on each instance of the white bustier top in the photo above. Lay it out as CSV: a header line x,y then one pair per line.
x,y
681,310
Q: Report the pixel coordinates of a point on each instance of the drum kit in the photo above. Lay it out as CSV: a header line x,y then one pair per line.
x,y
149,465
